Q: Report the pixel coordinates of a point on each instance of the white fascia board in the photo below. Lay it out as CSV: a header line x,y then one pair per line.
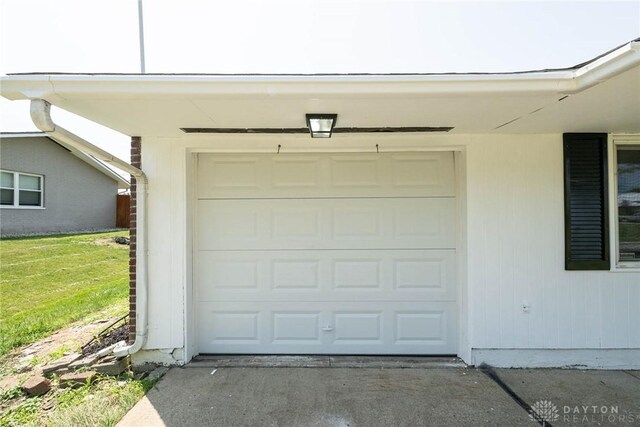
x,y
25,86
56,87
21,87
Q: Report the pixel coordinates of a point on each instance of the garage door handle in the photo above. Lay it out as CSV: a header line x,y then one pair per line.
x,y
327,328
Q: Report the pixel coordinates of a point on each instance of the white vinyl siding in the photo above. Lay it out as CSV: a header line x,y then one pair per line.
x,y
516,257
21,190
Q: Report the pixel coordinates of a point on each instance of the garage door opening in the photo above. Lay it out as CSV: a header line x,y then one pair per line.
x,y
326,254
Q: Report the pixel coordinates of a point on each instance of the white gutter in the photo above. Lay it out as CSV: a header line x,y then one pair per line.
x,y
610,65
41,116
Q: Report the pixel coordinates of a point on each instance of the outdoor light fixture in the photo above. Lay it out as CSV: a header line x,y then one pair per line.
x,y
321,125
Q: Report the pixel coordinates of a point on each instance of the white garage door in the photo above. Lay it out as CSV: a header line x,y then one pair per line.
x,y
326,253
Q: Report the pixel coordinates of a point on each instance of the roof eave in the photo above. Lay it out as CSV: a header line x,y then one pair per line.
x,y
568,81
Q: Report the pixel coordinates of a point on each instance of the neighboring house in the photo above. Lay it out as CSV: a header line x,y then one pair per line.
x,y
451,214
48,187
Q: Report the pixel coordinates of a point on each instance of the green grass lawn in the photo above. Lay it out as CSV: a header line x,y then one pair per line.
x,y
46,283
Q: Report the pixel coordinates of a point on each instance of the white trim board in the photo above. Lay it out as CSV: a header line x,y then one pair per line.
x,y
615,140
558,358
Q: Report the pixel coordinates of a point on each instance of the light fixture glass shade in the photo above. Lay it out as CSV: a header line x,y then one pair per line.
x,y
321,125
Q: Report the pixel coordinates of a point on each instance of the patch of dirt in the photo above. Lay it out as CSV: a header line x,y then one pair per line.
x,y
121,333
7,383
109,241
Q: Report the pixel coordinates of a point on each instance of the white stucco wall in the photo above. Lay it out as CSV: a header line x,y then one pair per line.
x,y
515,244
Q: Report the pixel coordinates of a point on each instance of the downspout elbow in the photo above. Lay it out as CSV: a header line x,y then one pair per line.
x,y
41,115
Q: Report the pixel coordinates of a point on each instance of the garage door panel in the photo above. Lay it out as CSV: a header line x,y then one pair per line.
x,y
357,273
326,224
330,328
216,273
284,175
228,222
294,222
420,326
235,326
298,327
294,274
333,275
294,174
357,327
229,174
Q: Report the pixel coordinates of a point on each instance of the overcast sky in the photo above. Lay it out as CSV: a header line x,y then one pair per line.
x,y
297,37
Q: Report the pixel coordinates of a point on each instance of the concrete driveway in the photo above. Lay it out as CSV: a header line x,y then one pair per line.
x,y
418,396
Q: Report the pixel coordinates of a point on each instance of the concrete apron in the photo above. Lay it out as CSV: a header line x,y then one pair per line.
x,y
210,392
282,361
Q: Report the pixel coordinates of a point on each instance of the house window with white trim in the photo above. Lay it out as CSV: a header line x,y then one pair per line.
x,y
20,190
627,170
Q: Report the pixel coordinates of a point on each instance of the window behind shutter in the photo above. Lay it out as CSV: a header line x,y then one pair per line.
x,y
585,202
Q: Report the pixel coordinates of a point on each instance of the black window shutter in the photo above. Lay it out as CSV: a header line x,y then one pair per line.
x,y
586,213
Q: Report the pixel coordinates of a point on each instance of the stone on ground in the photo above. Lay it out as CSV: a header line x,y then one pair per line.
x,y
83,362
36,386
111,365
76,379
60,364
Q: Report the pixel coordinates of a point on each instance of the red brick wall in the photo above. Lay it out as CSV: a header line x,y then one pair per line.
x,y
136,161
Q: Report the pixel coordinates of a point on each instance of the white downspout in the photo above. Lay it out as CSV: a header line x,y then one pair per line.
x,y
41,116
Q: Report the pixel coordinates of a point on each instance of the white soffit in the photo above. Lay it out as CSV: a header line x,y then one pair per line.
x,y
601,95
